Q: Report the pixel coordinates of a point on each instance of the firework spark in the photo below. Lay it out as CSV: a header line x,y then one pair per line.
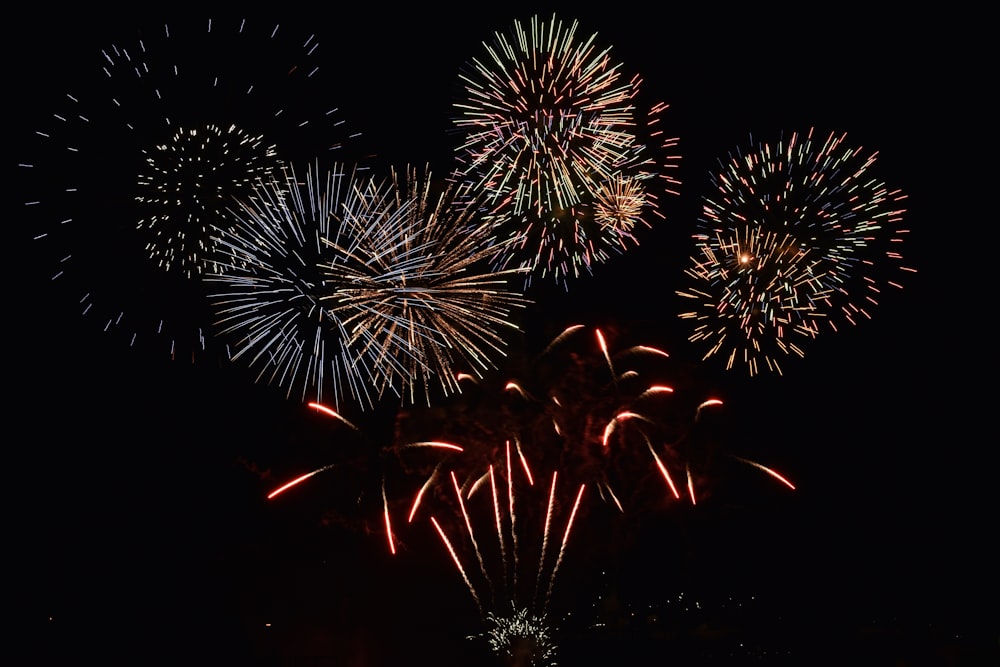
x,y
364,470
133,170
795,238
554,137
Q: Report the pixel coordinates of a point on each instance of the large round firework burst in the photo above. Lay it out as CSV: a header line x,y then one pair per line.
x,y
796,237
409,277
554,138
362,286
136,164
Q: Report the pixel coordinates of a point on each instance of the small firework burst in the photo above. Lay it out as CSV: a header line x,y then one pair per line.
x,y
521,638
796,237
196,173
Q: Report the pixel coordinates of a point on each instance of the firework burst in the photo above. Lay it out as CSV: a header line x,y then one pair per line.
x,y
410,280
796,237
554,138
268,293
134,169
367,288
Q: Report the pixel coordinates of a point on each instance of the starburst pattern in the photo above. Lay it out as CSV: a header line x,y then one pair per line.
x,y
409,276
370,287
796,237
268,294
554,137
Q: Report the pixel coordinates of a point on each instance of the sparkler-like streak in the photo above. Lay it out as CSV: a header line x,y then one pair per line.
x,y
554,136
134,168
796,237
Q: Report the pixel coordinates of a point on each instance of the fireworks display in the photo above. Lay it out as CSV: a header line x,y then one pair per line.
x,y
788,239
135,167
194,192
554,137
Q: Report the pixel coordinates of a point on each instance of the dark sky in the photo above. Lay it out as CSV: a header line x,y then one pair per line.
x,y
142,526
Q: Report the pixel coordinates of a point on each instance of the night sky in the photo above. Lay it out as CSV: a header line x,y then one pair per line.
x,y
142,531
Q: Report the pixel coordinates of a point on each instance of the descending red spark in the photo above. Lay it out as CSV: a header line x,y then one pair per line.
x,y
420,494
388,523
664,471
769,471
524,463
435,443
565,540
654,350
513,386
620,417
604,350
458,563
297,480
496,514
331,412
545,531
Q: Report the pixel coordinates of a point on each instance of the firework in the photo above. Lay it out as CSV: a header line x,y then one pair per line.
x,y
133,170
554,137
521,638
622,419
365,469
268,293
367,287
517,568
409,278
796,237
